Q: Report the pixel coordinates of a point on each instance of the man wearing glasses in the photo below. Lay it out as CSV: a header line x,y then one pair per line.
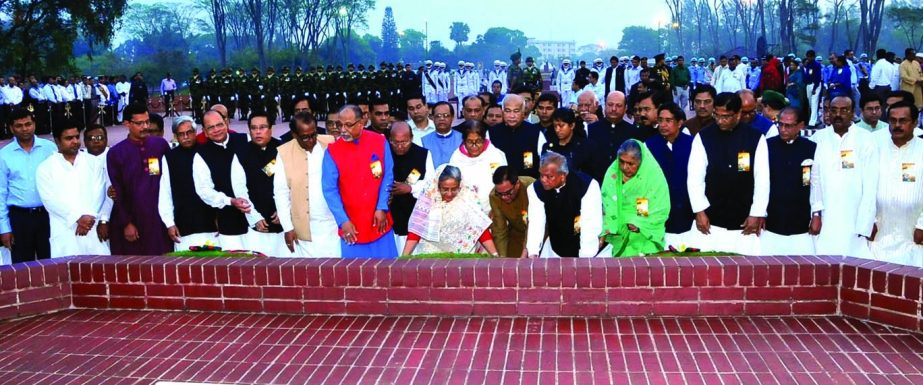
x,y
442,142
357,174
728,181
413,165
509,209
96,141
135,167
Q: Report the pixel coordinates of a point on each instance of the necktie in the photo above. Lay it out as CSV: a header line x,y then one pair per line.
x,y
75,91
54,93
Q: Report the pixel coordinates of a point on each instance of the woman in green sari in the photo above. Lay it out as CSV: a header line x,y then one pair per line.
x,y
636,202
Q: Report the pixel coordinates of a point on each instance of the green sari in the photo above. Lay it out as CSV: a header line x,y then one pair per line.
x,y
643,201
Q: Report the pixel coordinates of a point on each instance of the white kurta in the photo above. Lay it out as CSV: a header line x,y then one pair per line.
x,y
591,224
165,208
722,239
205,187
846,174
69,191
478,173
899,203
325,243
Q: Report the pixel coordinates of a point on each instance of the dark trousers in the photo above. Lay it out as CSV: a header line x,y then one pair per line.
x,y
30,234
168,108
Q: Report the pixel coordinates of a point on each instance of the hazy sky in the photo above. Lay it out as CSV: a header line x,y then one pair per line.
x,y
540,19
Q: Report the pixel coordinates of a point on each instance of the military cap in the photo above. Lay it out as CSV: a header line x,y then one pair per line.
x,y
516,56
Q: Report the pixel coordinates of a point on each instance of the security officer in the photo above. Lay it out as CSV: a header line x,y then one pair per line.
x,y
226,91
514,73
287,88
531,75
197,93
271,85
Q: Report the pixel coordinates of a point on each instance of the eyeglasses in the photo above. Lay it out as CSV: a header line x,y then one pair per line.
x,y
840,111
474,142
789,126
666,120
140,122
442,116
216,126
505,194
401,143
725,117
341,124
96,138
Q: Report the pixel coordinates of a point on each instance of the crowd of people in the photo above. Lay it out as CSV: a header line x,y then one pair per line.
x,y
608,169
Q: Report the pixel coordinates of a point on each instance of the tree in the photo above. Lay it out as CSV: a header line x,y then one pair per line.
x,y
389,38
458,32
412,48
870,14
218,19
37,35
637,39
908,20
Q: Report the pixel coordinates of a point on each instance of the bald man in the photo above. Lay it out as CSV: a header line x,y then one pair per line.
x,y
749,115
412,165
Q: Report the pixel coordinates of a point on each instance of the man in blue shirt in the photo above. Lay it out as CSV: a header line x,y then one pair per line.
x,y
24,227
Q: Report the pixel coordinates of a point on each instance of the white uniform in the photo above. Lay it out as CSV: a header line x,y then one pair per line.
x,y
497,75
563,83
123,88
69,191
899,203
632,77
591,224
325,243
846,171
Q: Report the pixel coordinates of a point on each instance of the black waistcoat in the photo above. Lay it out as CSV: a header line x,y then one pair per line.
x,y
561,211
230,220
729,191
516,144
402,205
789,210
191,215
259,164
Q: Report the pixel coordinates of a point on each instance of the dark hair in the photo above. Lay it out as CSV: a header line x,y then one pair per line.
x,y
94,127
810,52
303,117
473,126
303,99
547,97
908,51
674,110
680,57
497,82
565,115
20,113
657,98
451,107
905,96
868,98
134,109
416,96
506,174
729,100
258,114
156,120
799,115
522,90
852,102
62,126
914,111
613,57
702,88
378,101
593,74
881,53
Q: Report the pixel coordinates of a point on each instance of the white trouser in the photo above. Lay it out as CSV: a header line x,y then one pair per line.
x,y
681,96
233,242
813,100
777,244
5,257
722,239
271,244
324,243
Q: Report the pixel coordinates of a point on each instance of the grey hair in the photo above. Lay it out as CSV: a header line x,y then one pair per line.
x,y
351,107
552,157
184,119
513,98
630,147
450,172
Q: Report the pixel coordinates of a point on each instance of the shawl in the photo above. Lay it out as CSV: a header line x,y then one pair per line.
x,y
447,227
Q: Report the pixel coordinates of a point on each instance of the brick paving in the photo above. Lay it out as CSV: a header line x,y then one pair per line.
x,y
142,347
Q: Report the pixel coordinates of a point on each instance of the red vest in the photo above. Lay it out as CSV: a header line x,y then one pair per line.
x,y
358,185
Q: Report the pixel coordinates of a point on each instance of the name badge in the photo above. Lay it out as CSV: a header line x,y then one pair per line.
x,y
908,172
847,159
527,159
577,225
375,166
641,205
806,172
413,177
153,166
494,166
743,161
270,168
525,216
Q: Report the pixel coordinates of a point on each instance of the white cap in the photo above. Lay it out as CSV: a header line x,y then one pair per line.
x,y
461,62
566,61
429,62
623,58
469,64
745,59
496,62
598,60
920,55
503,64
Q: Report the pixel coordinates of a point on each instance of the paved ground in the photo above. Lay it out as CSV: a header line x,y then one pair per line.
x,y
115,347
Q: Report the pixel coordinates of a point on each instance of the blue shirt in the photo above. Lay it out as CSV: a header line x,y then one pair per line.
x,y
812,71
442,146
330,180
17,177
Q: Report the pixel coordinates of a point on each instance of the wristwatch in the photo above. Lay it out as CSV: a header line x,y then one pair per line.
x,y
102,222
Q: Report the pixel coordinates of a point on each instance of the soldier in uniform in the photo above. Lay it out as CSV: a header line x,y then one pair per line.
x,y
242,90
286,93
514,73
270,93
226,88
319,91
531,75
212,86
197,93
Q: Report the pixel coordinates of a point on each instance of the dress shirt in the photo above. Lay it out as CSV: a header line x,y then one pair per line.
x,y
205,186
167,85
17,177
698,166
419,133
282,193
591,222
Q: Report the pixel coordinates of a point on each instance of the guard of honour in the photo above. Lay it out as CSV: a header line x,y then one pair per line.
x,y
519,177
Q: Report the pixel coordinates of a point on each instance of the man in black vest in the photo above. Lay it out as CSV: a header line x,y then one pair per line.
x,y
618,70
258,159
789,222
566,205
521,141
221,181
645,111
189,221
605,136
728,181
412,165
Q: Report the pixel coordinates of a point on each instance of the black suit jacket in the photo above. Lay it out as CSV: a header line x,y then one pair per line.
x,y
619,80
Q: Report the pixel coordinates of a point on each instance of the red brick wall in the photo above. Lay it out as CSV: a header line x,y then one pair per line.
x,y
607,287
34,288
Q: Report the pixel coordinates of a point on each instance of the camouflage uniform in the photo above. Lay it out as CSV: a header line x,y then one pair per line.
x,y
197,89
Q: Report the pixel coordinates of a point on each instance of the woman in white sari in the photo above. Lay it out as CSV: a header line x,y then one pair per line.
x,y
477,159
447,219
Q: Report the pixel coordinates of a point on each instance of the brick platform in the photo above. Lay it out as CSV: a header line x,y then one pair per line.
x,y
141,347
605,287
